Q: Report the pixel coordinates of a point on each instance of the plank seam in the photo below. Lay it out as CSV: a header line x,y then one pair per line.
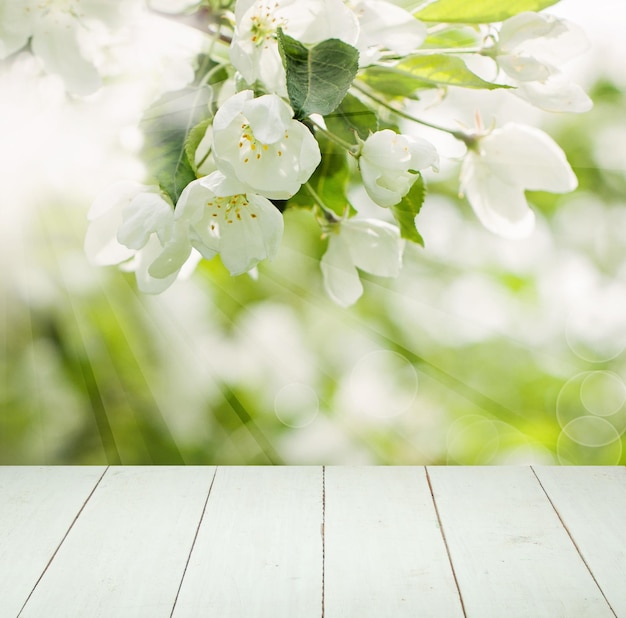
x,y
445,542
62,540
569,534
323,536
193,544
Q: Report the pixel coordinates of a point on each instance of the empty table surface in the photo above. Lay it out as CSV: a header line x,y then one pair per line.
x,y
312,542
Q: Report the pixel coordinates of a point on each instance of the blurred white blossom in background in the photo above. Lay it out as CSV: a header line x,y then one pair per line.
x,y
556,297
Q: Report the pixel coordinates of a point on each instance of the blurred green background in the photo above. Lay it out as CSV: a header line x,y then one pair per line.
x,y
483,351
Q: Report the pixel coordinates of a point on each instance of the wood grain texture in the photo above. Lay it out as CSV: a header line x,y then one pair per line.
x,y
37,508
304,542
511,554
591,501
385,555
126,553
259,548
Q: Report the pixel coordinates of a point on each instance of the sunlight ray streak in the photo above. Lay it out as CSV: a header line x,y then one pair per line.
x,y
87,367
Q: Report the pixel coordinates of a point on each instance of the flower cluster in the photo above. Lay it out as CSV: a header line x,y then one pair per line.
x,y
528,49
296,103
260,152
60,33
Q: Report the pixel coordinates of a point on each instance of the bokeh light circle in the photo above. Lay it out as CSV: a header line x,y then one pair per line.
x,y
603,393
383,384
296,405
592,431
571,452
593,394
472,439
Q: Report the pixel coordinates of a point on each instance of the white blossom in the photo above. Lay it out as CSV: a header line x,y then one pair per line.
x,y
389,163
16,26
530,48
555,94
257,141
368,244
133,225
244,228
505,163
254,50
61,33
383,25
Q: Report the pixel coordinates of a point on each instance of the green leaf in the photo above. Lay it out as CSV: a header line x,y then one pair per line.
x,y
196,135
166,126
442,70
456,37
481,12
406,211
350,118
318,77
394,82
329,180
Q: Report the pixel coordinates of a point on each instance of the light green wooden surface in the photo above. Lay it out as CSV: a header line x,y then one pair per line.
x,y
309,542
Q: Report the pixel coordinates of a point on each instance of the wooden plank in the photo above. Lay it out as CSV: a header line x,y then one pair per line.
x,y
511,554
259,548
591,501
385,555
37,508
126,553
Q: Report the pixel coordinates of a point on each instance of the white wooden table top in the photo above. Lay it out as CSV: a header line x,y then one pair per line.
x,y
312,542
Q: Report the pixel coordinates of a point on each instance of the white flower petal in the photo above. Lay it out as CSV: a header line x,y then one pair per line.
x,y
16,26
243,59
105,218
375,246
384,187
555,95
192,210
387,149
268,116
385,25
144,215
114,197
388,163
423,154
251,235
527,27
548,38
230,109
314,21
528,157
173,255
341,279
222,185
101,245
192,201
500,206
190,265
55,42
524,68
309,156
509,161
141,264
